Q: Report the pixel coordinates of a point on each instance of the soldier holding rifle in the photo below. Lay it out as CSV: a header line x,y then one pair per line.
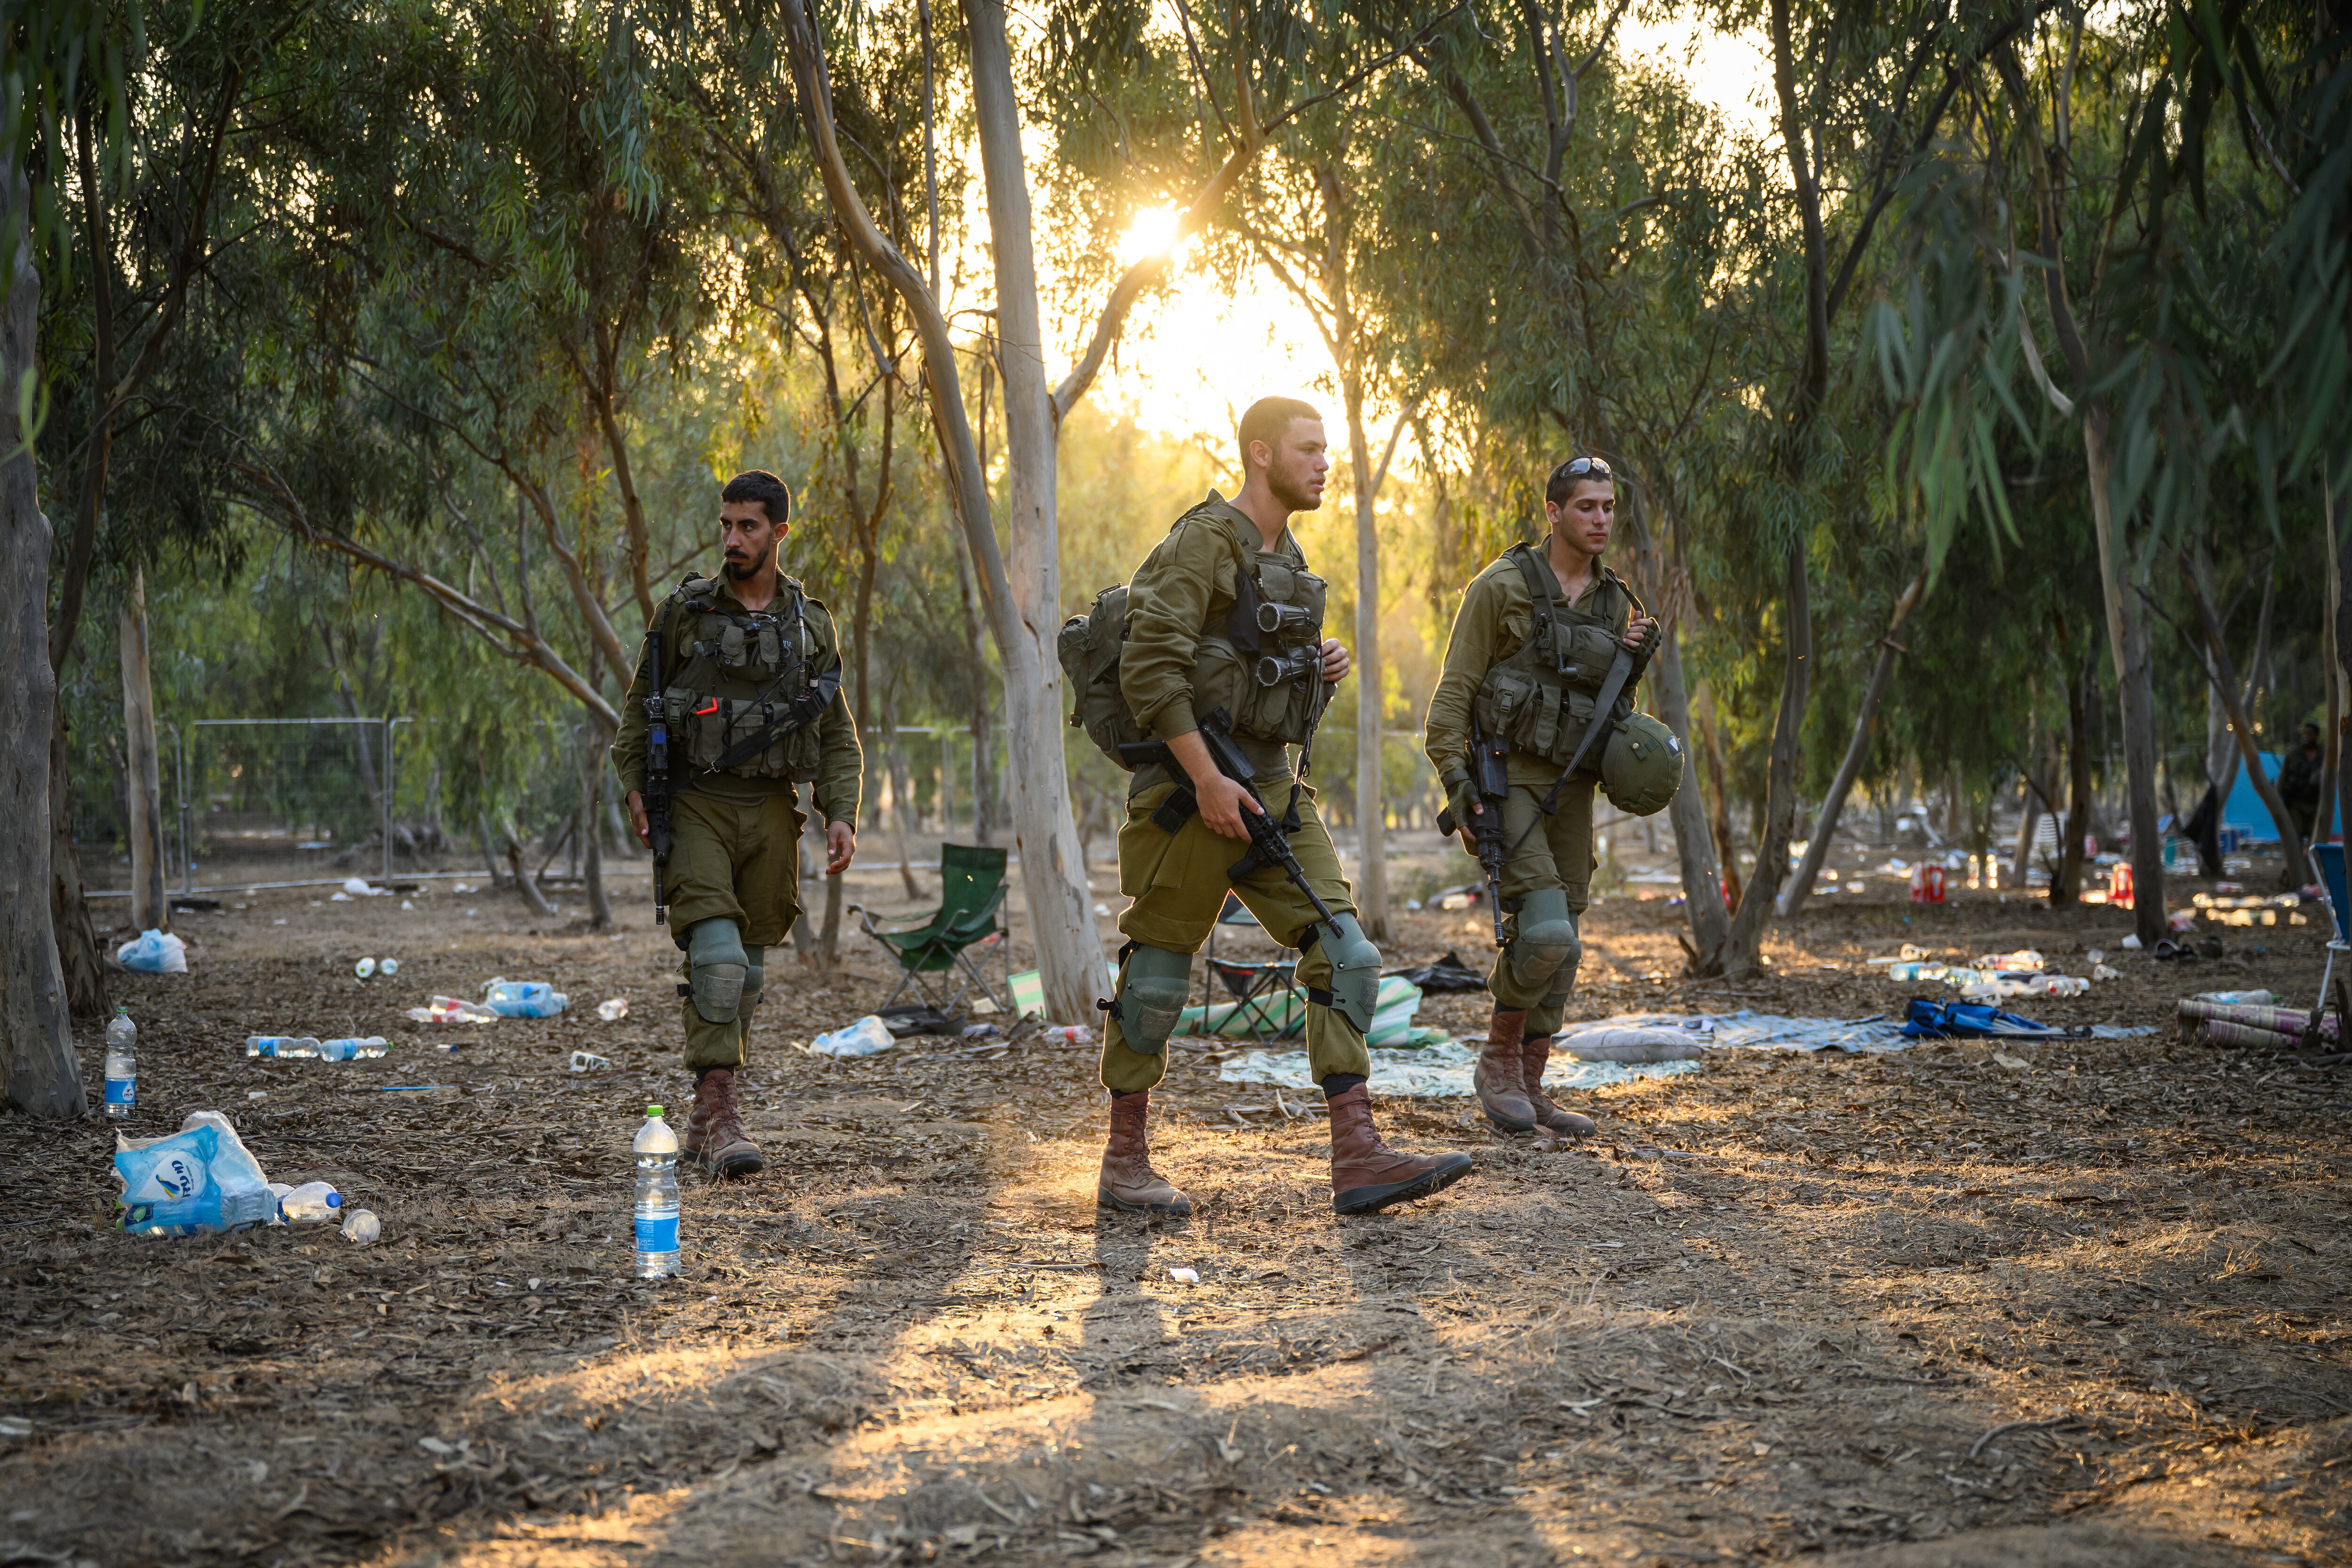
x,y
737,703
1534,709
1200,675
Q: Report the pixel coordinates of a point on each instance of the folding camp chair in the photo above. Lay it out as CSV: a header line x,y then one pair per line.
x,y
1254,987
2339,917
972,888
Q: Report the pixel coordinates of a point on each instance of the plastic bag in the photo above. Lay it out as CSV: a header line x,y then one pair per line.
x,y
865,1037
153,952
201,1178
523,998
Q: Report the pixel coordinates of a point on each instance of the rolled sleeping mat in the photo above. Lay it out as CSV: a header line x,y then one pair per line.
x,y
2277,1020
2252,1036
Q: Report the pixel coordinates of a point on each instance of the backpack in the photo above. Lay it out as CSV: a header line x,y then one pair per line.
x,y
1089,646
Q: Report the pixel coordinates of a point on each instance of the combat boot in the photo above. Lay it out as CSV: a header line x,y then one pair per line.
x,y
1366,1173
1128,1181
1497,1076
714,1130
1533,1056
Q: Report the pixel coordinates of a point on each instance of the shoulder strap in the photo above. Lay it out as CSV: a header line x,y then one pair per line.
x,y
1539,597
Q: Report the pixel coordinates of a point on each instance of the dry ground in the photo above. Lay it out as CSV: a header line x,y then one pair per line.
x,y
1913,1309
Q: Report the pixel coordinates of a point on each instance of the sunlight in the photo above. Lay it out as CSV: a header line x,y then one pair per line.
x,y
1153,233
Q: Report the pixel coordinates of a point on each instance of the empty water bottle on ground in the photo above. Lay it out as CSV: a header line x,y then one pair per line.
x,y
122,1064
312,1203
281,1045
657,1205
348,1050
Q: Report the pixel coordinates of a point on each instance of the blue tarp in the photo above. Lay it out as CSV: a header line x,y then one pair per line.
x,y
2244,810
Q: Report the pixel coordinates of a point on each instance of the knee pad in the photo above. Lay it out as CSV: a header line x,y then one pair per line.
x,y
754,977
716,968
1152,990
1355,992
1546,940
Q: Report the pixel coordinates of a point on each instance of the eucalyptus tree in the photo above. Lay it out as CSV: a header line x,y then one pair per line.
x,y
1261,55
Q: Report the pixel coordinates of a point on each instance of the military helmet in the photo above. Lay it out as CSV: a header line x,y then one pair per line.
x,y
1641,766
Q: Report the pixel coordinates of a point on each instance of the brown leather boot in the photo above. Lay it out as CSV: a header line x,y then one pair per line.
x,y
1128,1181
1368,1175
1567,1123
714,1130
1497,1075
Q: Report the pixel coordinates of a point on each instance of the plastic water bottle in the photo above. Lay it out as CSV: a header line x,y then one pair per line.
x,y
348,1050
122,1065
657,1216
281,1045
312,1203
361,1226
523,998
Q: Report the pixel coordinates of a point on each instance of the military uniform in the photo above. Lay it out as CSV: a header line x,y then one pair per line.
x,y
1219,625
1528,666
733,882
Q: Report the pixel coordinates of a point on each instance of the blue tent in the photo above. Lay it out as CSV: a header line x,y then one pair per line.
x,y
2244,810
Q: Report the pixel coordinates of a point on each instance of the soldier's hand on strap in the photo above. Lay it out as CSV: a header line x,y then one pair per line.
x,y
1221,803
1640,631
840,847
638,821
1336,664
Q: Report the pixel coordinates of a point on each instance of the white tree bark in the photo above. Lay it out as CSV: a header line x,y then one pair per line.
x,y
2128,641
43,1077
151,910
1372,802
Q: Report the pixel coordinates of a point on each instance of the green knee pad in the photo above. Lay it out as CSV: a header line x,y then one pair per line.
x,y
1355,989
1545,942
754,978
715,969
1153,987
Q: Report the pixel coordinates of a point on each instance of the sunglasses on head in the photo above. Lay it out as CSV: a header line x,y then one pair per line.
x,y
1580,467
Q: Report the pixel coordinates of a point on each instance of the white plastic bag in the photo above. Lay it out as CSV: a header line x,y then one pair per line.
x,y
867,1036
153,952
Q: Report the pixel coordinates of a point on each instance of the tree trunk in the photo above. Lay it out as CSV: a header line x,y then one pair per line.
x,y
2028,824
2127,639
526,884
1069,948
805,939
983,772
1695,848
79,956
2066,879
1727,851
144,772
590,836
1371,800
2298,870
2325,820
1744,948
1866,718
43,1075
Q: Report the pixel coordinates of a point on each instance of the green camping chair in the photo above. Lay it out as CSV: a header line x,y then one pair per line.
x,y
972,888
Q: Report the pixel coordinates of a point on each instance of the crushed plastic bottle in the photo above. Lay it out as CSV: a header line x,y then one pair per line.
x,y
281,1045
523,998
364,968
613,1011
388,968
122,1065
452,1010
347,1050
655,1150
1911,969
1067,1035
312,1203
2239,998
361,1226
867,1036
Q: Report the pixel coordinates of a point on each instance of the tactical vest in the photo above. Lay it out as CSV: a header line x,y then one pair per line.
x,y
1542,698
737,673
1263,665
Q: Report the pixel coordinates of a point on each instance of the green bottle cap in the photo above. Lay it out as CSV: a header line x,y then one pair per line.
x,y
652,1110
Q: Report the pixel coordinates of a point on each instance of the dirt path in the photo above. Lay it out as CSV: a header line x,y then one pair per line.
x,y
1923,1307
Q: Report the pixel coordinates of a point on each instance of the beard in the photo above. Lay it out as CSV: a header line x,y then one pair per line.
x,y
1294,494
742,571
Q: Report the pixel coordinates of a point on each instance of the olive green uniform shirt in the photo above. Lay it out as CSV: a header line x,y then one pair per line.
x,y
841,764
1495,620
1186,586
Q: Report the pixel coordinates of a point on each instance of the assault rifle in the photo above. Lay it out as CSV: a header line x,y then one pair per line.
x,y
1269,841
1490,784
657,768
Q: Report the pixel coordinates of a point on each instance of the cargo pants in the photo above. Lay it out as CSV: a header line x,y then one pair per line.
x,y
1178,882
739,859
1558,854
